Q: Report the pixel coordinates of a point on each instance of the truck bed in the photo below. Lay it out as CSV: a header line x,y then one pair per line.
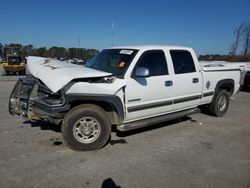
x,y
221,65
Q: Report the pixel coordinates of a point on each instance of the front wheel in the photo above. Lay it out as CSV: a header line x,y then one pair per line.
x,y
86,127
220,103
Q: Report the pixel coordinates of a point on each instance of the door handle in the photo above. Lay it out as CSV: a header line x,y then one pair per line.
x,y
168,83
195,80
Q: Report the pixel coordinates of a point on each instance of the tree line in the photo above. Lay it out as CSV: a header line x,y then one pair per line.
x,y
229,58
53,52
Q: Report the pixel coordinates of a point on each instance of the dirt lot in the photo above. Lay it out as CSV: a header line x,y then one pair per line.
x,y
197,151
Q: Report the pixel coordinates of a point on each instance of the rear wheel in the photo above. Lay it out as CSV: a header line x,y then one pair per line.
x,y
220,103
86,127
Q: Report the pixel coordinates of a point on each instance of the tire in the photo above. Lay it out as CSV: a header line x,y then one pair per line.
x,y
219,104
86,127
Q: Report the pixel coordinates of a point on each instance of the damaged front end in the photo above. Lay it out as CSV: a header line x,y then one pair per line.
x,y
34,101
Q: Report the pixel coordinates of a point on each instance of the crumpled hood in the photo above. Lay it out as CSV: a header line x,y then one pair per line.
x,y
56,74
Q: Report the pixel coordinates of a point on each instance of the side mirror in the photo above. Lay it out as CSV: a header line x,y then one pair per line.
x,y
142,72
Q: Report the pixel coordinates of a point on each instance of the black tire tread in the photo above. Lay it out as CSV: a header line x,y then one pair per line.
x,y
81,109
212,108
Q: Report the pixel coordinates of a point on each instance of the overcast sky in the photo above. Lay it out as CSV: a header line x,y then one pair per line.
x,y
207,26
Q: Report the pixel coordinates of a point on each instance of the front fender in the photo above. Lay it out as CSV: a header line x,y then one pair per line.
x,y
102,100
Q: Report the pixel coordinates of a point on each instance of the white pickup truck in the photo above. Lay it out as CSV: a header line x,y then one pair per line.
x,y
130,87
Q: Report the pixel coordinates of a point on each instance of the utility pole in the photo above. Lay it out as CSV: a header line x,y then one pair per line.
x,y
79,41
112,27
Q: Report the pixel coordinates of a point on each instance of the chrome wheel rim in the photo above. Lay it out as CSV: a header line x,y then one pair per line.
x,y
86,130
222,103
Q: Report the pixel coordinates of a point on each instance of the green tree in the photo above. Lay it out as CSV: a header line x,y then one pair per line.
x,y
15,45
42,52
27,50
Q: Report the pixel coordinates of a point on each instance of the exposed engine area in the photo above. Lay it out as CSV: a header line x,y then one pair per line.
x,y
29,91
45,95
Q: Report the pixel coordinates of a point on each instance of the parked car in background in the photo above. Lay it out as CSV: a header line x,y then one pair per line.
x,y
76,61
246,85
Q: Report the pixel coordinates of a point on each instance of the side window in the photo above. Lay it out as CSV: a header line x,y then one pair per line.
x,y
182,61
155,61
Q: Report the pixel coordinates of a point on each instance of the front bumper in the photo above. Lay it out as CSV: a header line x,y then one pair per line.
x,y
26,101
14,68
19,98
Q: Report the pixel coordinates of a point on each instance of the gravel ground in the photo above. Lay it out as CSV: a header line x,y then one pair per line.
x,y
196,151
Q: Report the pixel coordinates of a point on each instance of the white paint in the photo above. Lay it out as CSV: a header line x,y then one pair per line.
x,y
56,74
95,88
127,52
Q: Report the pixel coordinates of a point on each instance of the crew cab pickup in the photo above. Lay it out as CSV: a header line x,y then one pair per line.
x,y
129,87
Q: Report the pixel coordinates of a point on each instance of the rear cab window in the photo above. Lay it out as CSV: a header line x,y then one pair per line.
x,y
182,61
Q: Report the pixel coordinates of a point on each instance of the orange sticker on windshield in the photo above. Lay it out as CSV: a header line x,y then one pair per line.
x,y
121,64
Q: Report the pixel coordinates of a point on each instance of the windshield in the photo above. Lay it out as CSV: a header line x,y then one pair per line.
x,y
114,61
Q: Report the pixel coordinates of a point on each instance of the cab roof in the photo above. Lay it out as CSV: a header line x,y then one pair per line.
x,y
151,47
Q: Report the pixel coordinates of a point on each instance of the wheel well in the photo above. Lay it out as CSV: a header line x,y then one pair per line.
x,y
106,106
228,85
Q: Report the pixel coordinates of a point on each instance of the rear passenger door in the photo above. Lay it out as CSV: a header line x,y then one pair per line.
x,y
187,80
